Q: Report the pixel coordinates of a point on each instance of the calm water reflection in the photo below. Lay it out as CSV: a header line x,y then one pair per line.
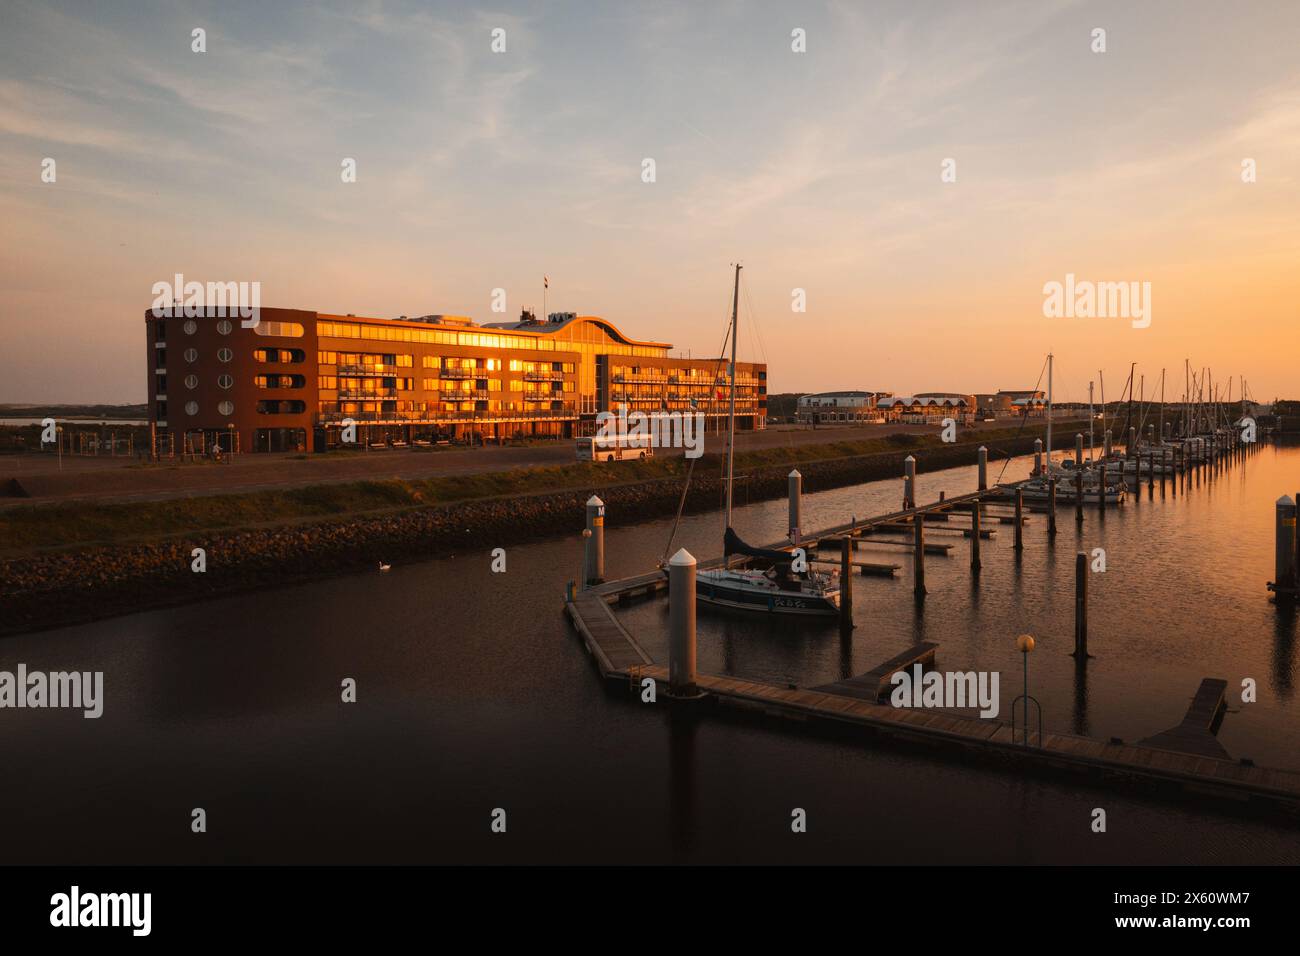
x,y
473,694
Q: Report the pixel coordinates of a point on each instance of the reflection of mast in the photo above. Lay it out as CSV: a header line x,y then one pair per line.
x,y
1049,413
731,425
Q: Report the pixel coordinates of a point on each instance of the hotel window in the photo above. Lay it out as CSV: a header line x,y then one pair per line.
x,y
494,365
430,361
329,382
191,408
224,326
431,384
225,355
327,358
292,330
191,381
494,385
191,355
162,411
160,360
191,326
516,385
226,408
516,365
404,361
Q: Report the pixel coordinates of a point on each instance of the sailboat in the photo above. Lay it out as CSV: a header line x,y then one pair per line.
x,y
777,589
1095,480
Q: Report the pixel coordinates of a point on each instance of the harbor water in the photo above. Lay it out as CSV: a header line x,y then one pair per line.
x,y
474,695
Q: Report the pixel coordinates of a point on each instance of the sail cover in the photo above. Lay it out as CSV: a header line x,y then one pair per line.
x,y
731,544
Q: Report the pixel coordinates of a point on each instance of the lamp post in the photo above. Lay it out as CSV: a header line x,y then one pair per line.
x,y
1025,644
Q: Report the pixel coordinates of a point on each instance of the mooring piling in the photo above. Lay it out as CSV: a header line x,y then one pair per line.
x,y
681,615
794,484
918,556
1051,507
846,583
909,482
983,456
1020,519
1106,448
1081,607
1078,496
975,538
1284,574
594,543
1038,457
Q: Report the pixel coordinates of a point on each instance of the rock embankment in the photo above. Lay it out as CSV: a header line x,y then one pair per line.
x,y
45,590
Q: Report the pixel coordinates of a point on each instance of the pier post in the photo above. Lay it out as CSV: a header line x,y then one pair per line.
x,y
1178,471
1164,469
846,584
681,615
1078,496
1020,518
909,482
1038,457
794,483
1080,607
1106,448
975,539
1078,450
1051,507
918,556
984,468
1151,475
594,555
1284,575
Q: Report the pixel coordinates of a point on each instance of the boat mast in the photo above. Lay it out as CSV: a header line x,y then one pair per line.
x,y
1049,413
1090,420
731,414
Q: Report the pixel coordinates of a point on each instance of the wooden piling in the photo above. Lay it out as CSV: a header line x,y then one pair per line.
x,y
1051,507
1080,606
1078,496
846,583
918,556
975,539
1020,519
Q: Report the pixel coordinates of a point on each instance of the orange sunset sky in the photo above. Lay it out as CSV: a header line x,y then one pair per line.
x,y
818,170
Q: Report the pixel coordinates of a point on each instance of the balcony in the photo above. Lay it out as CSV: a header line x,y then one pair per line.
x,y
461,372
369,370
543,376
374,395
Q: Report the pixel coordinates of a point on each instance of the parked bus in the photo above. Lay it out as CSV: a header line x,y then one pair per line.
x,y
614,448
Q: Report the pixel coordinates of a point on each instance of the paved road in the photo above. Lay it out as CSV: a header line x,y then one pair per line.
x,y
123,479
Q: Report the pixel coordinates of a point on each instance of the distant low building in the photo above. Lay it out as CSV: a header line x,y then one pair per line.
x,y
929,408
842,408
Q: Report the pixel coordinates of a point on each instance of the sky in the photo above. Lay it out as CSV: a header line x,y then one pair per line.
x,y
821,171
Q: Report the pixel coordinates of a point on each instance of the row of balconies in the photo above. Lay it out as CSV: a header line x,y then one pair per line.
x,y
372,369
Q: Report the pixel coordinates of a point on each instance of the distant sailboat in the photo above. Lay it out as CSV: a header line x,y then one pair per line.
x,y
778,589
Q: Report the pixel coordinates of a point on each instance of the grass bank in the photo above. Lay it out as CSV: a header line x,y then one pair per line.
x,y
57,526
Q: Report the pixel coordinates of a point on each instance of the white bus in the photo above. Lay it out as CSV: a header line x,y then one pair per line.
x,y
614,448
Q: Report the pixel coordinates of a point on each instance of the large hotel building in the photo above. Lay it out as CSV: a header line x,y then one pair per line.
x,y
290,381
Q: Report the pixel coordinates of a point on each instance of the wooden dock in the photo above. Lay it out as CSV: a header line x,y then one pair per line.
x,y
1196,734
875,683
1188,759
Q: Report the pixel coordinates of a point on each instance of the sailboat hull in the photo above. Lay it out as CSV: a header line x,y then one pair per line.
x,y
734,592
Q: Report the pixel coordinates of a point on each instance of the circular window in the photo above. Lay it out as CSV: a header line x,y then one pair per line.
x,y
225,354
191,408
224,326
226,408
225,381
191,326
191,355
191,381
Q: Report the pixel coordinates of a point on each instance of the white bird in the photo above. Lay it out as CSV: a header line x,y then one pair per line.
x,y
384,567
